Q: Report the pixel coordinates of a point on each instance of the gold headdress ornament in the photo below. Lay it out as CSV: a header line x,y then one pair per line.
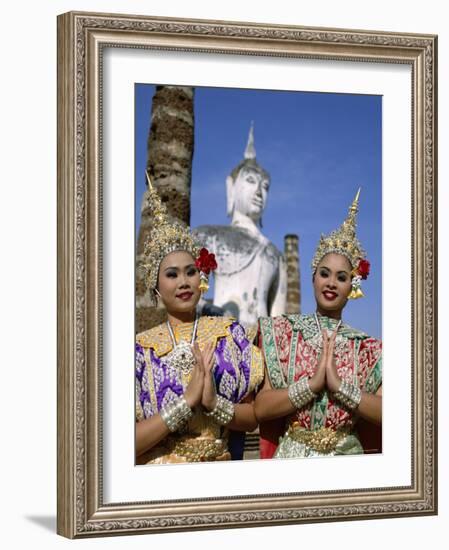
x,y
167,235
344,241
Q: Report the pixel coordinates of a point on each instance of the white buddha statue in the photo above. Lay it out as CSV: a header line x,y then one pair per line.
x,y
251,279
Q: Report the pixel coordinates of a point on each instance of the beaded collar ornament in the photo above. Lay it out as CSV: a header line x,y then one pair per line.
x,y
169,235
344,241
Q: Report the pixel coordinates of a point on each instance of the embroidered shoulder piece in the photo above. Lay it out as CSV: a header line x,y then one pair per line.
x,y
370,364
213,328
157,338
209,328
306,324
251,332
268,342
256,368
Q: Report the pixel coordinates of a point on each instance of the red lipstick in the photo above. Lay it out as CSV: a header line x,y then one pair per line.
x,y
185,296
329,295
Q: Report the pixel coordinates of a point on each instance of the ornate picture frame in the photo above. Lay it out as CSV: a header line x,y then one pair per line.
x,y
83,510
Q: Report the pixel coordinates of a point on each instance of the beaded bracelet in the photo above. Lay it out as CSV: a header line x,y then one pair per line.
x,y
300,393
349,394
223,412
176,413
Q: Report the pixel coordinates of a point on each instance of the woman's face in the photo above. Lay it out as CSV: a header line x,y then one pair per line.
x,y
332,284
178,282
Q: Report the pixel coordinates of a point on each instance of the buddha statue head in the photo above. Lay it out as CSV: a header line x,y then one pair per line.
x,y
247,185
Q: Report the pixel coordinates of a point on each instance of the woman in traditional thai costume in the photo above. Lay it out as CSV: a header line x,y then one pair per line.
x,y
195,377
321,374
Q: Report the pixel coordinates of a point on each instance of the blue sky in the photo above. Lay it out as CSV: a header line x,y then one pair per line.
x,y
318,148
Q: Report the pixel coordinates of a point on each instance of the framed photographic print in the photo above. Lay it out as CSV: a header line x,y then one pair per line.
x,y
366,101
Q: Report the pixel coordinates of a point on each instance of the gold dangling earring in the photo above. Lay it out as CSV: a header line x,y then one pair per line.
x,y
356,291
204,283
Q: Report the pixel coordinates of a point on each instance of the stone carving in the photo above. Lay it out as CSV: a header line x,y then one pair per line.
x,y
251,279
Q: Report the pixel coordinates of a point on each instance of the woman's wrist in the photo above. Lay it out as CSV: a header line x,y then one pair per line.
x,y
193,398
316,385
209,406
189,400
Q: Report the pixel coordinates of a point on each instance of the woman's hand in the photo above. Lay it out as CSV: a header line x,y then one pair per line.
x,y
318,380
209,397
194,390
333,381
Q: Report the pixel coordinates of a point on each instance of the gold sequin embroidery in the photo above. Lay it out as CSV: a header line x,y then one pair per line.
x,y
209,329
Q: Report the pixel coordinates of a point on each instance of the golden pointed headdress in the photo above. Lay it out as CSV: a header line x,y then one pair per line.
x,y
167,235
343,240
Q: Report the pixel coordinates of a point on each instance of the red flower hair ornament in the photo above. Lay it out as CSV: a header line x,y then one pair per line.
x,y
359,273
363,269
205,263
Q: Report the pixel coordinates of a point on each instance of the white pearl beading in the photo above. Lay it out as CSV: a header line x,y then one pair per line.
x,y
349,394
176,413
223,412
300,393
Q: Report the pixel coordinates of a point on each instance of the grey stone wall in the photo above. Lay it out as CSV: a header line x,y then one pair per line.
x,y
291,253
